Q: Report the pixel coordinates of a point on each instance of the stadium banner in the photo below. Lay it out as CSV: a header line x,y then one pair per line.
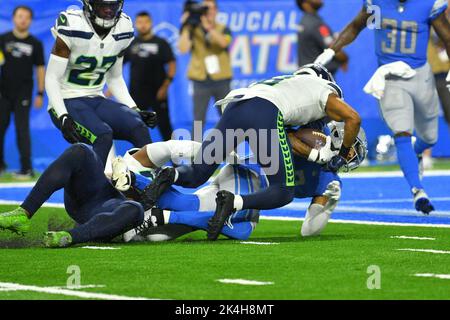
x,y
264,45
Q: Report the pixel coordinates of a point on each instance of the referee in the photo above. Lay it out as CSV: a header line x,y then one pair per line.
x,y
19,53
315,35
152,69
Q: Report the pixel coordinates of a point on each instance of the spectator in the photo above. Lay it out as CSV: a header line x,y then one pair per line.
x,y
210,66
315,35
149,56
21,51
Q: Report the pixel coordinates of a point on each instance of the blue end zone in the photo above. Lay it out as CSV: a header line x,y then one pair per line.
x,y
372,199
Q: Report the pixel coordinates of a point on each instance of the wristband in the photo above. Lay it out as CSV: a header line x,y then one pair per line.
x,y
344,151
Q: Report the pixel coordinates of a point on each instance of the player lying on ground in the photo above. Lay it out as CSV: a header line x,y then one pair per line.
x,y
311,181
100,211
263,110
408,105
88,53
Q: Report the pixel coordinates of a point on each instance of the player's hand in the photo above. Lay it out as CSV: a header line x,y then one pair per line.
x,y
324,154
448,80
38,101
149,117
335,163
325,57
69,129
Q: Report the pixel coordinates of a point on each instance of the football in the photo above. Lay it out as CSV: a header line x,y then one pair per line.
x,y
314,138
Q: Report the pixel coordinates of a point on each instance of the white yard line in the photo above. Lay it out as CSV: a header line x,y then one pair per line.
x,y
245,282
100,248
425,250
87,286
433,275
375,223
4,286
412,238
46,205
259,243
8,185
391,174
410,200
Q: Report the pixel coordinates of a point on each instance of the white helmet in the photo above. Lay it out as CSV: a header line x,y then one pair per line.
x,y
103,13
358,151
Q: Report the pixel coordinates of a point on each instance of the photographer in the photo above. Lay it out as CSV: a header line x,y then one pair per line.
x,y
208,41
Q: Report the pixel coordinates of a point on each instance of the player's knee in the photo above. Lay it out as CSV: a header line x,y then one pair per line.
x,y
79,150
284,195
134,213
105,138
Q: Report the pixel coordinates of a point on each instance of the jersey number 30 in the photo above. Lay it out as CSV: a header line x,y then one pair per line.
x,y
88,74
406,27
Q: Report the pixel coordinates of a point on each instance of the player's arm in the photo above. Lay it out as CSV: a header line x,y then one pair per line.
x,y
56,68
338,110
118,88
442,27
347,36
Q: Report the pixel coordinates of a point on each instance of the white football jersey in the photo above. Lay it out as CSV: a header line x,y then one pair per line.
x,y
90,56
300,98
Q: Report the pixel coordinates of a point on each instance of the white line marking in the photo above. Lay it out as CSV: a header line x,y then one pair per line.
x,y
412,238
7,185
245,282
259,243
87,286
433,275
410,200
425,250
100,248
391,174
67,292
362,222
47,204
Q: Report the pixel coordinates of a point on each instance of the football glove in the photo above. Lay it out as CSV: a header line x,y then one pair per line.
x,y
324,154
69,129
149,117
335,163
325,57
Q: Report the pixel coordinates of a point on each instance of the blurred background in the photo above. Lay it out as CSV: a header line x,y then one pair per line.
x,y
264,44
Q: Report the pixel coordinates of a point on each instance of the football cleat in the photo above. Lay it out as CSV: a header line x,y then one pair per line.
x,y
121,176
151,193
152,218
224,209
16,221
60,239
421,201
421,166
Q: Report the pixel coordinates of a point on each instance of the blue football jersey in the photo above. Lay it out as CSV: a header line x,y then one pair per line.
x,y
405,29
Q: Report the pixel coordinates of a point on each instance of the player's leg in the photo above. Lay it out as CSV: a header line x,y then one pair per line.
x,y
125,122
94,131
320,209
397,107
165,127
201,98
57,176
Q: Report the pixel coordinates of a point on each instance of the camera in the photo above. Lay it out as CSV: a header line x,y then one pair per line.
x,y
196,9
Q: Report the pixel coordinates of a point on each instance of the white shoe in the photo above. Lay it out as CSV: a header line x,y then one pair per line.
x,y
121,176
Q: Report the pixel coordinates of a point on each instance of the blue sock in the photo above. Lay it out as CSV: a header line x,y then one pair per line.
x,y
199,220
173,199
141,181
420,146
408,162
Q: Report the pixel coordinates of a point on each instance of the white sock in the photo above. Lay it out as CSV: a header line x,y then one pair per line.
x,y
166,214
238,202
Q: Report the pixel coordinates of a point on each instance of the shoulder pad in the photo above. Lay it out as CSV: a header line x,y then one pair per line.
x,y
71,24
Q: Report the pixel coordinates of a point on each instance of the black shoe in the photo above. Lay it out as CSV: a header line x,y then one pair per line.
x,y
2,168
151,193
224,209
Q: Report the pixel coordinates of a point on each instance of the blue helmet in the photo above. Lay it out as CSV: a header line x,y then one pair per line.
x,y
317,70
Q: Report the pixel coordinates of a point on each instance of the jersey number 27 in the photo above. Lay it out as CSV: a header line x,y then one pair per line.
x,y
87,74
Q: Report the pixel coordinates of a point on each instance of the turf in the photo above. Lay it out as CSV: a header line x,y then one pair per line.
x,y
332,266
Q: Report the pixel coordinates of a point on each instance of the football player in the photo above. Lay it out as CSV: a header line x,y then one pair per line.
x,y
100,211
88,53
407,104
264,109
179,213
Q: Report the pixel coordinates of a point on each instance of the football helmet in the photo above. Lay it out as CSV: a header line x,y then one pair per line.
x,y
103,13
358,151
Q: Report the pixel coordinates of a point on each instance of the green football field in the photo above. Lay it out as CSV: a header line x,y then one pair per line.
x,y
348,261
